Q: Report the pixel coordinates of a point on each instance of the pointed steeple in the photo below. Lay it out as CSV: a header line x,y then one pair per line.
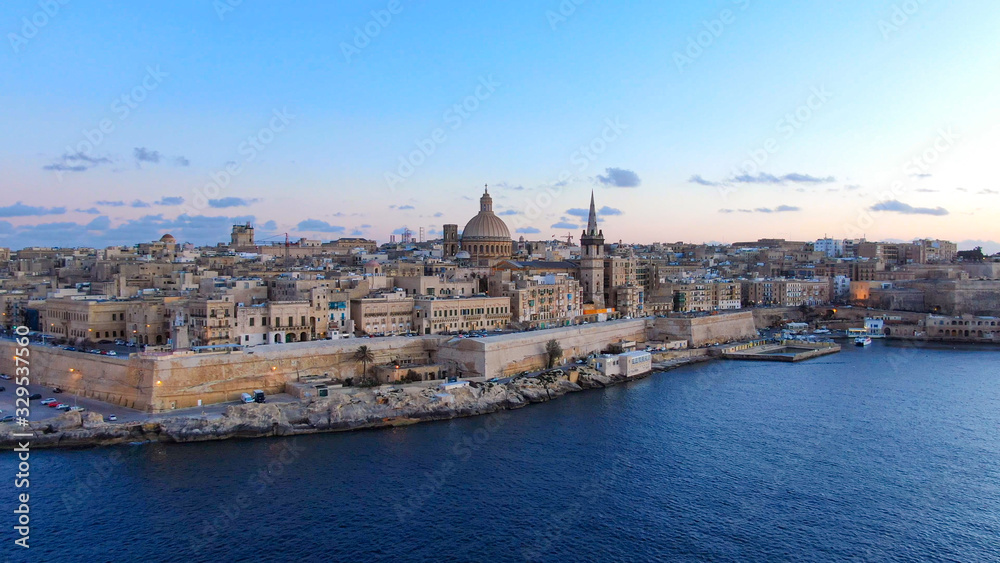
x,y
592,220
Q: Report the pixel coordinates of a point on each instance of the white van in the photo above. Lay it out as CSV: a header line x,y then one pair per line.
x,y
246,398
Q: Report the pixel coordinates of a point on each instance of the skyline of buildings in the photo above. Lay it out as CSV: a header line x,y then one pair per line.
x,y
744,133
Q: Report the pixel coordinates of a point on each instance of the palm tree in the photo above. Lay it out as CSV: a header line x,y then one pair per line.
x,y
554,351
364,355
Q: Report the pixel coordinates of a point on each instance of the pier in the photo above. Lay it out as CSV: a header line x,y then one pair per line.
x,y
784,351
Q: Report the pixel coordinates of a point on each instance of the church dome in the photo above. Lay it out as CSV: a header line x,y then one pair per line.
x,y
168,238
486,237
486,225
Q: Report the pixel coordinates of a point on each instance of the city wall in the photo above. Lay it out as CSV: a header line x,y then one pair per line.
x,y
706,330
111,379
171,381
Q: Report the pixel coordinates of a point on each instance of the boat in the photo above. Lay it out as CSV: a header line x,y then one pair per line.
x,y
863,341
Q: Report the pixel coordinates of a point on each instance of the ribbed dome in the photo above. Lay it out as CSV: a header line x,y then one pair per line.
x,y
486,225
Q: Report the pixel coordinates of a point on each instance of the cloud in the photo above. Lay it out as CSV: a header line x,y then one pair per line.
x,y
897,206
198,229
927,191
988,191
21,210
181,161
619,178
609,211
169,201
76,162
794,177
852,187
91,211
118,203
779,209
585,213
101,223
565,225
439,214
578,212
528,231
921,175
225,202
508,212
317,226
807,179
697,179
506,186
404,207
138,203
142,154
60,167
269,226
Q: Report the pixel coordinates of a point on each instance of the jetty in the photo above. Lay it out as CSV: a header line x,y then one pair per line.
x,y
783,351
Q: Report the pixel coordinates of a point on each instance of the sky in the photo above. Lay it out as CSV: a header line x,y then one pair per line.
x,y
708,121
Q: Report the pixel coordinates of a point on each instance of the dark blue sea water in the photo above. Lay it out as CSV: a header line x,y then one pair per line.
x,y
884,453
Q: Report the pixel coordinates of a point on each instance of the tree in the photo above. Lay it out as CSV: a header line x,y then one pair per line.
x,y
553,351
364,355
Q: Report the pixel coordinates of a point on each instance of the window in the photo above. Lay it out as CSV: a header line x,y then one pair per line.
x,y
251,321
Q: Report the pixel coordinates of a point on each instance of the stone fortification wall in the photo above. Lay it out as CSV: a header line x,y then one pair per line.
x,y
707,330
115,380
498,356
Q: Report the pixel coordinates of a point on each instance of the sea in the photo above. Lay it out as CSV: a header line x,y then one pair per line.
x,y
884,453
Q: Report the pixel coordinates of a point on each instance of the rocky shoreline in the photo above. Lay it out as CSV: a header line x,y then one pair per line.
x,y
365,408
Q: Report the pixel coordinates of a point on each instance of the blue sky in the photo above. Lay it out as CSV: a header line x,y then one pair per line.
x,y
697,121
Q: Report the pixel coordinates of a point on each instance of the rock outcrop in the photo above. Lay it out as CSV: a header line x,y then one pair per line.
x,y
355,409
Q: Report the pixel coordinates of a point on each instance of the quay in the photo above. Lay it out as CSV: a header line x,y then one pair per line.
x,y
784,351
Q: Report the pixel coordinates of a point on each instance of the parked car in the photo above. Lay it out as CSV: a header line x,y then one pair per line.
x,y
110,418
53,405
4,376
2,388
77,409
7,418
119,342
57,389
47,401
64,407
35,397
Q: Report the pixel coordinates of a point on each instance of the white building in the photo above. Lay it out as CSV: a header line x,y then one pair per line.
x,y
833,248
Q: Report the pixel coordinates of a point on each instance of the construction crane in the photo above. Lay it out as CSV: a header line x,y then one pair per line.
x,y
568,237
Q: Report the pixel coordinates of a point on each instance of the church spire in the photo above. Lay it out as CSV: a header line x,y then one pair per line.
x,y
592,220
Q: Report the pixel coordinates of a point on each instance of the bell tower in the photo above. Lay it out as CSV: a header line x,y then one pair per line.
x,y
592,260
